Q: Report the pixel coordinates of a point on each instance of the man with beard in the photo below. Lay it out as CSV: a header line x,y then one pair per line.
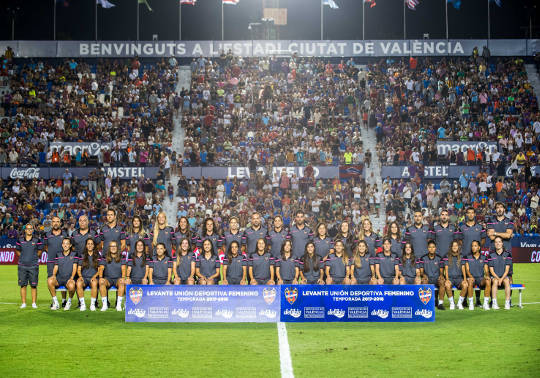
x,y
253,233
444,234
471,231
300,235
53,245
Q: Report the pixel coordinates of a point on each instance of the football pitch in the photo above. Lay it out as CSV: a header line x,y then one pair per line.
x,y
459,343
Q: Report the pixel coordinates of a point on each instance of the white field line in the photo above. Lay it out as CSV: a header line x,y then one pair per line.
x,y
530,303
284,352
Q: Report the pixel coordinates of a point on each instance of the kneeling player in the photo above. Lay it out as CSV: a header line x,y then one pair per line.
x,y
88,274
112,271
387,265
499,267
477,275
432,271
65,268
454,271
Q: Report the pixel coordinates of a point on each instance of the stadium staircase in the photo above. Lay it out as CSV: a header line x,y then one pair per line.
x,y
171,207
532,74
369,139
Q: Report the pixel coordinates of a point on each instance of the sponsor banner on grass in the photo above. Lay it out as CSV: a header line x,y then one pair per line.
x,y
358,303
8,255
221,173
233,303
526,249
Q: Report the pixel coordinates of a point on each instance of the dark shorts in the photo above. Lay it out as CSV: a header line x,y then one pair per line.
x,y
87,282
363,281
28,275
287,282
112,281
234,281
456,281
262,281
62,281
50,268
312,282
409,280
433,281
337,280
388,280
158,281
478,282
136,281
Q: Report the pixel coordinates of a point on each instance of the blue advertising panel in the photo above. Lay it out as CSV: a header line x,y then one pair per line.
x,y
163,303
358,303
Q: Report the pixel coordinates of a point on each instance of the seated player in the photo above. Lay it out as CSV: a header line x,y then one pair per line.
x,y
88,271
207,264
499,267
286,266
261,265
387,265
185,264
234,266
337,265
112,272
454,272
432,271
65,268
160,270
310,266
138,267
362,270
477,275
409,269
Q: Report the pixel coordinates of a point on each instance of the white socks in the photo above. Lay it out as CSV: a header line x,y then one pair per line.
x,y
69,300
461,299
82,301
55,300
486,300
92,301
451,300
104,301
120,299
470,300
440,302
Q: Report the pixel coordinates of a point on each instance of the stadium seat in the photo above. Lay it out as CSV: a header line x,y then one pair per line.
x,y
518,287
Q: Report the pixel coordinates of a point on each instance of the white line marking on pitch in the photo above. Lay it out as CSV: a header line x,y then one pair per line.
x,y
284,352
531,303
7,303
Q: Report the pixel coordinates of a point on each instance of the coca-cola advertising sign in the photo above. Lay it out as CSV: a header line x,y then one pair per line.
x,y
25,173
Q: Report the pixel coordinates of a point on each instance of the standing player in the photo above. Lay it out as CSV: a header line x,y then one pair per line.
x,y
286,266
234,266
478,274
184,231
88,272
300,234
138,265
471,231
499,267
454,272
112,272
53,245
387,265
346,236
277,236
418,235
162,234
185,263
65,268
210,232
112,231
410,270
261,265
323,243
367,234
394,235
253,233
161,267
337,265
135,233
311,266
362,270
233,234
81,235
444,233
28,248
432,271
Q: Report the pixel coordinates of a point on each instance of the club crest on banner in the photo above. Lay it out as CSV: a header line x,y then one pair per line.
x,y
135,294
425,295
291,295
269,295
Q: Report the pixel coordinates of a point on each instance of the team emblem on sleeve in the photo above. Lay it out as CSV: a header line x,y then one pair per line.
x,y
291,295
135,294
425,295
269,295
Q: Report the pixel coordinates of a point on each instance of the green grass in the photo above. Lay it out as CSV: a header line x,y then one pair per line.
x,y
46,343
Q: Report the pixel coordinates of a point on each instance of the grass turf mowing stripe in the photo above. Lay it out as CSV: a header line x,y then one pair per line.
x,y
284,352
